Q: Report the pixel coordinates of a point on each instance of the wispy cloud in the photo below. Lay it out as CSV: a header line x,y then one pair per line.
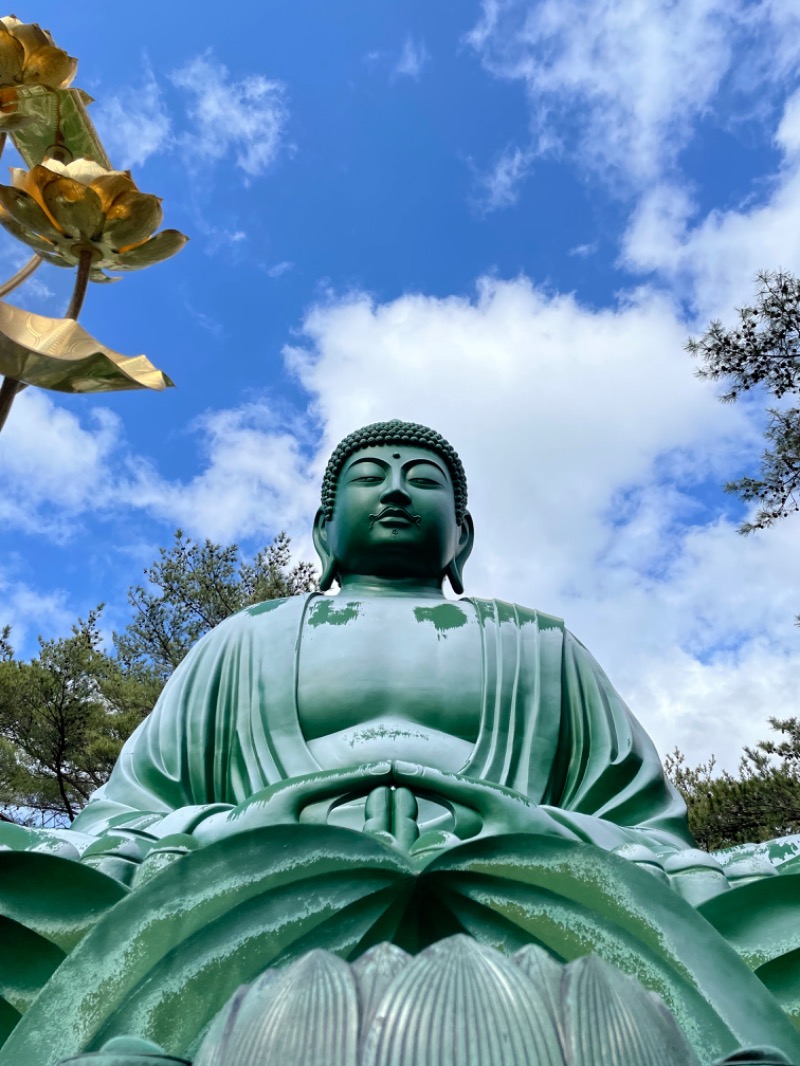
x,y
136,125
277,270
623,83
413,57
500,186
247,116
206,321
583,251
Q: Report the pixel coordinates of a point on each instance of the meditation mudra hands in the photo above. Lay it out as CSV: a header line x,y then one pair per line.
x,y
391,790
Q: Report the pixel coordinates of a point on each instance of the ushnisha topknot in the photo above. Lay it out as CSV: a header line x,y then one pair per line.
x,y
394,432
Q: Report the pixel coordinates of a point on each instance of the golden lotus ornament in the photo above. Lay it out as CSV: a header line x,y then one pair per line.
x,y
57,353
30,56
63,209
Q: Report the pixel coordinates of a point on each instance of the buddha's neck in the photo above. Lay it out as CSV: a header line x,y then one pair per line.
x,y
370,585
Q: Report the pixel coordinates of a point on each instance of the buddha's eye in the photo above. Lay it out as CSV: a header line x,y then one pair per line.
x,y
424,482
367,479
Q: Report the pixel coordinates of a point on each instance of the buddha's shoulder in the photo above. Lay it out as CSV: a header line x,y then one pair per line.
x,y
503,610
258,619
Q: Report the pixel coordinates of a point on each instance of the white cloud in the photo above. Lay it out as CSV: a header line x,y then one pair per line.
x,y
583,251
413,57
247,116
500,186
55,466
712,260
136,125
624,83
277,270
31,613
254,481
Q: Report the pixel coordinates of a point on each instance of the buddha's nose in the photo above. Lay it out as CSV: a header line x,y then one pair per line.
x,y
395,493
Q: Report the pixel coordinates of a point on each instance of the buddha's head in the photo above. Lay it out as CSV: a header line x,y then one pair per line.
x,y
394,506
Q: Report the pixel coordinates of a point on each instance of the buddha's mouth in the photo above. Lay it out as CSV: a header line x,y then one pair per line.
x,y
391,514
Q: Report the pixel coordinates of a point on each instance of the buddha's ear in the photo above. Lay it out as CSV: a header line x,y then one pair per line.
x,y
326,557
466,538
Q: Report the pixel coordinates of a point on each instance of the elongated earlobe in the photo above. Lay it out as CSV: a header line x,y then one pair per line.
x,y
454,577
328,574
326,557
465,541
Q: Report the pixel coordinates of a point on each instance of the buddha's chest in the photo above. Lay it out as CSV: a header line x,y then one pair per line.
x,y
390,678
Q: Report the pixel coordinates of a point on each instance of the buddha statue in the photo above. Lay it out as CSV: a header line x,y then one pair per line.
x,y
388,708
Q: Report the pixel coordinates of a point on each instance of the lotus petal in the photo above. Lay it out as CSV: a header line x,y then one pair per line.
x,y
111,185
75,207
10,121
12,56
31,36
27,213
374,972
164,245
469,1004
86,171
305,1013
57,353
545,973
41,246
611,1019
133,217
57,112
50,66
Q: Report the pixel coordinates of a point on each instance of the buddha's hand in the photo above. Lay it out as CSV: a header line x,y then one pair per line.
x,y
491,809
284,803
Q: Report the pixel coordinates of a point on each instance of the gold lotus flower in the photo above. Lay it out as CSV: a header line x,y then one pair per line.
x,y
57,353
61,210
29,56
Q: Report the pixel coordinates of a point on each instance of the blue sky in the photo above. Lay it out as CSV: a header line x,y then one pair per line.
x,y
500,218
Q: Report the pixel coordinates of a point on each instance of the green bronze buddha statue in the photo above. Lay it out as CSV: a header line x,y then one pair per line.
x,y
387,707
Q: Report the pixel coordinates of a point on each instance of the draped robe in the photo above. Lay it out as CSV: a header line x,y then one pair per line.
x,y
552,728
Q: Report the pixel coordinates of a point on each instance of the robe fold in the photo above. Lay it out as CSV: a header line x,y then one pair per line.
x,y
552,728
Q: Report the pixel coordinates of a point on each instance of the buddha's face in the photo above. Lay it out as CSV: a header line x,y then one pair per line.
x,y
394,515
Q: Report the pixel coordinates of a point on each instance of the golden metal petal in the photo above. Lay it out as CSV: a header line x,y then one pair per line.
x,y
57,353
49,66
12,57
31,36
9,123
163,246
109,186
33,240
86,171
132,219
75,207
61,116
27,213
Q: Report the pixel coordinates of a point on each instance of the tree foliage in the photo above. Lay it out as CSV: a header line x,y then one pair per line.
x,y
763,350
65,714
193,587
761,803
63,718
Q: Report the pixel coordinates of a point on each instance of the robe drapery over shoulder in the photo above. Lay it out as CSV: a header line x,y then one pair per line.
x,y
552,728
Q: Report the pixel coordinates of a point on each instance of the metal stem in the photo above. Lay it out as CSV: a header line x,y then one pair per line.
x,y
21,275
8,392
81,284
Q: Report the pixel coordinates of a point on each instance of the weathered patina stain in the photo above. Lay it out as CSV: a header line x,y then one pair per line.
x,y
330,613
443,617
262,608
